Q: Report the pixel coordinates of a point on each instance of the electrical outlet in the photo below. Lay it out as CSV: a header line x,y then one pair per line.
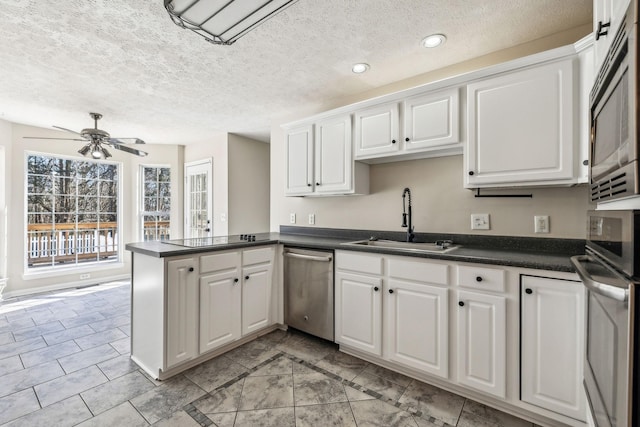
x,y
541,223
85,276
480,222
292,218
312,219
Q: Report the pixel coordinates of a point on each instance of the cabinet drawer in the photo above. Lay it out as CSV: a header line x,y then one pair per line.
x,y
488,279
420,271
257,256
219,261
364,263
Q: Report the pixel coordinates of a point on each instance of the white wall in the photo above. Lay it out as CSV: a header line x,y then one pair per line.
x,y
248,185
5,192
440,202
171,155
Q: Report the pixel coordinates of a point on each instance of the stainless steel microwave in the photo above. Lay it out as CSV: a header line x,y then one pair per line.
x,y
613,162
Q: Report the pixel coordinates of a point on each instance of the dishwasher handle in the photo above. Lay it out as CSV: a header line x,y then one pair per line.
x,y
593,285
308,257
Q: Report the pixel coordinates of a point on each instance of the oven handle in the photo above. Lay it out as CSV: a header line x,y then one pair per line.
x,y
603,289
307,257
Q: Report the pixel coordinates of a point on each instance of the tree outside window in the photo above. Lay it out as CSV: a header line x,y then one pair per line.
x,y
72,211
155,209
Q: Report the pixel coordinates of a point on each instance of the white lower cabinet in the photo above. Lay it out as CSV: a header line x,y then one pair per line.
x,y
417,326
185,307
358,311
182,318
552,342
482,346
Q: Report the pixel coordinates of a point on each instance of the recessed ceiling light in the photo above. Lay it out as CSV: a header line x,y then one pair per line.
x,y
434,40
360,68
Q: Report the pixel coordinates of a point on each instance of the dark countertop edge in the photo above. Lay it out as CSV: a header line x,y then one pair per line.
x,y
534,259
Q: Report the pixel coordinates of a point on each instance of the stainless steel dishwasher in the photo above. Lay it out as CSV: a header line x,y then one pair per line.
x,y
308,291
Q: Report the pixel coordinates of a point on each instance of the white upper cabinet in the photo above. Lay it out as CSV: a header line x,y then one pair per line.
x,y
428,125
333,155
319,160
522,128
377,132
299,160
432,120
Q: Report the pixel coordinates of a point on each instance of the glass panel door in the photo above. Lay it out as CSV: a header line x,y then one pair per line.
x,y
198,203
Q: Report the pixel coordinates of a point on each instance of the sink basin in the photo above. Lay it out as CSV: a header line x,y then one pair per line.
x,y
405,246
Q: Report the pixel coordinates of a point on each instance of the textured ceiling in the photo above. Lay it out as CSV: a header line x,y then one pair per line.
x,y
153,80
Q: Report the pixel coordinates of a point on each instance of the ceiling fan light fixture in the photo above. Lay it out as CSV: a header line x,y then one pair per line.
x,y
360,68
85,150
223,22
96,151
434,40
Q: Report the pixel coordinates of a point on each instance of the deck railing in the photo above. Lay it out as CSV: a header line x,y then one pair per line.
x,y
83,242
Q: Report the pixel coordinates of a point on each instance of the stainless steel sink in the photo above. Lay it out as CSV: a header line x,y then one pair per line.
x,y
406,246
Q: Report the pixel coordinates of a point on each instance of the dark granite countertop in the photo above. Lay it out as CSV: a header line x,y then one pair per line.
x,y
524,252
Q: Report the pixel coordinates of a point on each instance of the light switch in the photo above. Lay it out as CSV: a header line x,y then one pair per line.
x,y
312,219
292,218
541,223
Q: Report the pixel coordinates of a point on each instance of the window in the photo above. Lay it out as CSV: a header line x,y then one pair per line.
x,y
156,203
72,211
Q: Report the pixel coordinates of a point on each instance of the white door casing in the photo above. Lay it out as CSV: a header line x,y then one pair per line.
x,y
198,203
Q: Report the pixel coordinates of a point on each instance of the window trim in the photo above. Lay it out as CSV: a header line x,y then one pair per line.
x,y
140,197
29,273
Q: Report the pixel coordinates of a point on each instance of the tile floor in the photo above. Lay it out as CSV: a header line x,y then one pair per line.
x,y
64,361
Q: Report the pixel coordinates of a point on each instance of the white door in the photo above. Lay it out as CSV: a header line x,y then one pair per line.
x,y
299,152
220,308
432,120
418,328
377,131
256,297
482,342
552,345
358,312
198,193
333,155
182,310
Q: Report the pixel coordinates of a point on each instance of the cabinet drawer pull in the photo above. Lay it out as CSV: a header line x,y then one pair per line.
x,y
246,277
190,268
471,173
390,291
376,289
393,141
602,26
407,139
529,291
461,303
478,278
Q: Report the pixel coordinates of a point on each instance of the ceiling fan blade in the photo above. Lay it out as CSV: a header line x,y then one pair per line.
x,y
120,140
129,149
68,130
61,139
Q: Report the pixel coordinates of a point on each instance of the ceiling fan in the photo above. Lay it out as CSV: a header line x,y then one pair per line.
x,y
96,140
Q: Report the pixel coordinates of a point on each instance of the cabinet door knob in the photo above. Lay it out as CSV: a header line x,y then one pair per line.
x,y
471,173
585,162
529,291
190,268
246,277
308,185
236,280
461,303
376,289
407,139
390,291
393,141
478,278
602,29
317,183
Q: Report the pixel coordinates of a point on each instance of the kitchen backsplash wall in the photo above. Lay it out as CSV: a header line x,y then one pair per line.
x,y
440,204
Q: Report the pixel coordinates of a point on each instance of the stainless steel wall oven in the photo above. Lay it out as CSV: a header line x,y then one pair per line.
x,y
610,270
